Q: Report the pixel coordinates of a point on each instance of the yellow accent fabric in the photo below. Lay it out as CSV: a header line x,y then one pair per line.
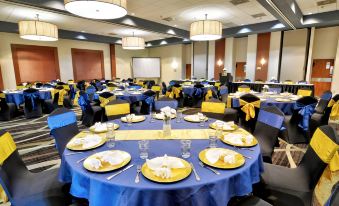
x,y
104,101
187,83
246,89
3,195
229,102
213,107
7,147
174,94
20,87
111,88
62,93
208,95
249,108
76,98
2,95
140,83
335,109
326,149
304,92
70,81
117,109
156,88
288,82
66,87
217,84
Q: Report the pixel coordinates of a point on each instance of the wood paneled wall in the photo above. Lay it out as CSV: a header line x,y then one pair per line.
x,y
113,61
219,55
263,52
88,64
35,63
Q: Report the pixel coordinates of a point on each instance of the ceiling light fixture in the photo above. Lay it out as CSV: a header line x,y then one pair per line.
x,y
206,30
97,9
38,30
133,43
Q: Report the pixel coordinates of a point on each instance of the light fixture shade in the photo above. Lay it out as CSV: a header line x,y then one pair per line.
x,y
206,30
97,9
133,43
38,31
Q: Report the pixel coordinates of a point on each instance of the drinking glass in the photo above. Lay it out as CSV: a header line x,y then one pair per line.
x,y
129,119
202,119
213,138
152,120
143,148
185,148
219,129
179,117
110,135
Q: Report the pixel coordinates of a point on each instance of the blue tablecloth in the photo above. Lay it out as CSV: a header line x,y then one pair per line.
x,y
190,90
131,98
18,97
122,191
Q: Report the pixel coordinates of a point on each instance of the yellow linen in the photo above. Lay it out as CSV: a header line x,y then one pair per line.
x,y
304,92
245,89
156,88
104,101
213,107
2,95
70,81
249,108
335,109
66,87
208,95
3,195
174,94
117,109
326,149
158,134
140,83
217,84
20,87
111,88
7,147
76,98
187,83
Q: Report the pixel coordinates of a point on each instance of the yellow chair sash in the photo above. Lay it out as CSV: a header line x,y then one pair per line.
x,y
174,94
111,88
156,88
208,95
117,109
3,195
62,93
140,83
104,101
2,95
288,82
217,84
326,149
213,107
245,89
335,109
249,108
304,92
76,98
66,87
70,81
187,83
20,87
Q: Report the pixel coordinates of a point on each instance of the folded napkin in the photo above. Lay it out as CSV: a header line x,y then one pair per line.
x,y
100,127
134,117
161,166
135,92
225,125
214,154
87,141
113,157
167,111
94,163
119,93
238,139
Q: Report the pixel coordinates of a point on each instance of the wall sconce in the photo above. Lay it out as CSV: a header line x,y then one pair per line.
x,y
263,61
174,65
219,63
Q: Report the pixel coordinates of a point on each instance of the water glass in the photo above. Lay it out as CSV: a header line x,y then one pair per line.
x,y
202,119
185,148
143,148
129,119
219,130
152,120
213,139
110,135
179,117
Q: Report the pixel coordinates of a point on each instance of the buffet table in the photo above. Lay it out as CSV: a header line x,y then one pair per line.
x,y
212,189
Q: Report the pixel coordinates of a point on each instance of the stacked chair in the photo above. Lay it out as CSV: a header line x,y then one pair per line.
x,y
7,110
33,104
216,109
282,186
297,125
248,111
117,109
165,102
63,125
90,114
23,187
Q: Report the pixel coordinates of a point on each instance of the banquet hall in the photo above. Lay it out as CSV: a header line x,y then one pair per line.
x,y
169,103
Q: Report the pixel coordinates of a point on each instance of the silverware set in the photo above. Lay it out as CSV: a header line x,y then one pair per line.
x,y
195,172
137,178
209,168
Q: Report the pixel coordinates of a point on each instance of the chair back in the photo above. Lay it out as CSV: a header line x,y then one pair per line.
x,y
63,125
32,99
213,106
304,92
267,128
334,198
117,108
244,88
248,114
165,102
323,150
246,80
327,95
3,103
332,108
105,98
90,90
223,93
302,111
164,88
321,106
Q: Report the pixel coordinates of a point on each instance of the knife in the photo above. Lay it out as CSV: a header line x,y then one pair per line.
x,y
110,177
195,172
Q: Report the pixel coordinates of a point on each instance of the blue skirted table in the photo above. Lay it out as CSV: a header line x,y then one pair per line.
x,y
17,97
128,96
122,191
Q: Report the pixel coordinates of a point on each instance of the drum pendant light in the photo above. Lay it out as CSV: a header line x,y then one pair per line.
x,y
206,30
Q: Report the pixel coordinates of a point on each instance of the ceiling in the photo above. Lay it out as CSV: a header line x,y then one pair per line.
x,y
309,7
181,13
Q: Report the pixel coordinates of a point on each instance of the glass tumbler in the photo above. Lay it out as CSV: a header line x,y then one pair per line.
x,y
143,148
185,148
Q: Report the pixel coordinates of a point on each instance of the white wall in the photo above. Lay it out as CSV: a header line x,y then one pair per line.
x,y
64,54
335,77
200,59
211,59
230,55
240,49
325,43
293,55
273,62
251,56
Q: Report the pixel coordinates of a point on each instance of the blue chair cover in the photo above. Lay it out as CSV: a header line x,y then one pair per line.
x,y
276,89
90,90
223,90
171,83
72,91
198,92
247,80
134,87
83,101
33,97
61,120
326,96
306,112
274,81
121,87
204,82
271,119
161,104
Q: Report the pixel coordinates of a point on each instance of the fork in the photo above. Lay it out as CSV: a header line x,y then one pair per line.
x,y
241,148
195,172
209,168
82,159
137,178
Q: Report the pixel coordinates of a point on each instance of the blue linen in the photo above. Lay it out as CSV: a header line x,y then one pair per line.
x,y
131,98
33,97
61,120
136,87
18,98
223,90
275,89
306,113
271,119
122,191
161,104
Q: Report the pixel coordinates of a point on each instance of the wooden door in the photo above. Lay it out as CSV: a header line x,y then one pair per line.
x,y
88,64
1,80
321,75
240,73
35,63
188,71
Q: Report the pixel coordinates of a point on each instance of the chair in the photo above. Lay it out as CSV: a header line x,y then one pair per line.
x,y
246,80
175,92
244,88
216,109
269,122
7,110
60,98
165,102
332,110
334,198
24,188
117,108
294,186
104,99
164,88
90,113
327,95
223,93
248,111
90,90
304,92
147,102
63,125
156,89
297,124
319,117
33,104
252,201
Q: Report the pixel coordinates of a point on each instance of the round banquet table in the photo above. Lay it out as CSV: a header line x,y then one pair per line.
x,y
127,95
122,190
17,97
189,90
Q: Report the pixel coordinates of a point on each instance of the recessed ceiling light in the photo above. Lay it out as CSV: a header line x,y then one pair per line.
x,y
175,25
310,13
83,31
133,14
242,24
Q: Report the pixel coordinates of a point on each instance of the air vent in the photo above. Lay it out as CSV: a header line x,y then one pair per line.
x,y
237,2
325,2
169,19
259,15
